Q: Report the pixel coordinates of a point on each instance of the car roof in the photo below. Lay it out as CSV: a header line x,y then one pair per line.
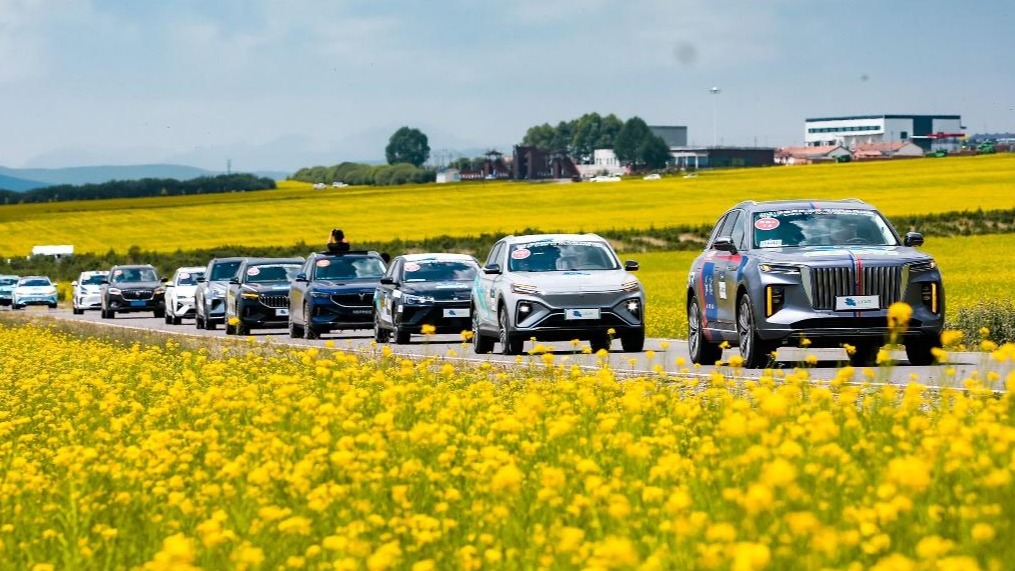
x,y
803,204
316,255
35,278
548,237
228,259
262,261
94,272
122,266
438,256
191,269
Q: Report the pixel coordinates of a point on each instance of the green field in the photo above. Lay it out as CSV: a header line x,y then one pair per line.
x,y
298,213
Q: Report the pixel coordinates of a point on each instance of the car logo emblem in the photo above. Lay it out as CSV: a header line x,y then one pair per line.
x,y
362,296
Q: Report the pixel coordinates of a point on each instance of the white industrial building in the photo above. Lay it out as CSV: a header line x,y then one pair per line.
x,y
929,132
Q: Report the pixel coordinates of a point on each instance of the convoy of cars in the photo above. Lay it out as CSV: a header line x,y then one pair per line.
x,y
823,273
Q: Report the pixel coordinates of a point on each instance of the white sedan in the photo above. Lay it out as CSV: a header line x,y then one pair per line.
x,y
180,293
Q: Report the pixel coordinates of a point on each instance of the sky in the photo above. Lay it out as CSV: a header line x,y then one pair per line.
x,y
284,84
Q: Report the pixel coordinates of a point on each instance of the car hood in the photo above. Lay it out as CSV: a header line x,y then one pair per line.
x,y
345,286
576,281
136,285
185,290
268,287
448,290
32,290
826,254
89,288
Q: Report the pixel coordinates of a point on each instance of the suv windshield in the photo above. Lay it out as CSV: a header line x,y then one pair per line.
x,y
264,273
561,255
134,275
188,278
37,282
821,227
224,271
348,268
94,279
438,271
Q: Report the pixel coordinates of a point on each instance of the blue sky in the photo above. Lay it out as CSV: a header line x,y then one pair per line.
x,y
280,84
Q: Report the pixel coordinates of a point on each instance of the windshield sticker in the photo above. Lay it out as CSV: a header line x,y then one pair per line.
x,y
521,254
812,211
766,223
323,263
184,276
774,243
253,271
118,272
412,267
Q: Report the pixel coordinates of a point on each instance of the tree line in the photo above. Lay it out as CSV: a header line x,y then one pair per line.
x,y
632,140
140,188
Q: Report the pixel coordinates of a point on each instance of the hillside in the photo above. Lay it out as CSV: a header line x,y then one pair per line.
x,y
19,184
296,212
100,174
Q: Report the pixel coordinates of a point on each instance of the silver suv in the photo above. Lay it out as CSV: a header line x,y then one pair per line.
x,y
556,287
777,272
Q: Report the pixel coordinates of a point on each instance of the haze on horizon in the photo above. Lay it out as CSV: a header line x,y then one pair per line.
x,y
280,85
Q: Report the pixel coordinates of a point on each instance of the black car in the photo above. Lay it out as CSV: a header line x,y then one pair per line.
x,y
424,289
210,295
258,295
132,289
334,290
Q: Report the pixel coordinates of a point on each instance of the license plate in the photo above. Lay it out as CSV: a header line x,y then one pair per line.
x,y
857,302
456,312
282,312
581,314
362,311
137,302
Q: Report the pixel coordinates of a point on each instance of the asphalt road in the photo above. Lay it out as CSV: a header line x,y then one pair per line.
x,y
669,354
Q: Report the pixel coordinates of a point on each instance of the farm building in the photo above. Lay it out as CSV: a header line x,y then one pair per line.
x,y
929,132
886,150
56,251
807,155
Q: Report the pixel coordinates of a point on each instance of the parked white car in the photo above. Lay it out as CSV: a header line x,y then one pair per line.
x,y
87,291
180,293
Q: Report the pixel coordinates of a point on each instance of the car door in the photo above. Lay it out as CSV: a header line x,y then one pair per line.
x,y
387,293
484,291
725,270
298,292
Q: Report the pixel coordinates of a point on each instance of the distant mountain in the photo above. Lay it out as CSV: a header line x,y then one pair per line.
x,y
19,184
20,180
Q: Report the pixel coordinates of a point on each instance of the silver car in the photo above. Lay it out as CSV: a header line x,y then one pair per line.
x,y
180,293
556,287
778,272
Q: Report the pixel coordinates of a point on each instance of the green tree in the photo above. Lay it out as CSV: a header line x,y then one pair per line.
x,y
653,152
540,136
408,145
630,139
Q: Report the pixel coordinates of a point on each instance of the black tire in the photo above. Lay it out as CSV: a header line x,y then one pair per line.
x,y
920,350
755,351
108,314
52,306
168,319
703,352
242,329
230,329
481,345
402,336
77,311
160,313
600,341
177,320
865,354
633,342
198,321
209,324
308,329
381,335
510,344
16,306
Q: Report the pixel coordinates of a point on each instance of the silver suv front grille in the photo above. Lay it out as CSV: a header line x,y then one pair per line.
x,y
829,283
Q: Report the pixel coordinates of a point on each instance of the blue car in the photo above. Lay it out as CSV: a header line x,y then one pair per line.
x,y
334,291
34,290
7,284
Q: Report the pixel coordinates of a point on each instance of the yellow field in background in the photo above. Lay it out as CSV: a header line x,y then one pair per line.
x,y
296,212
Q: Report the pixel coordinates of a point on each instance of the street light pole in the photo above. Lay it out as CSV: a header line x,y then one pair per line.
x,y
715,115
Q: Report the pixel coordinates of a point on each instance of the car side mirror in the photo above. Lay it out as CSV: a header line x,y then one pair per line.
x,y
913,239
201,280
234,280
300,277
491,269
74,283
631,266
105,282
164,280
386,280
724,244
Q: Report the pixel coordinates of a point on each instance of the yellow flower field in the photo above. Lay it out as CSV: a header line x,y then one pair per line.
x,y
297,212
157,457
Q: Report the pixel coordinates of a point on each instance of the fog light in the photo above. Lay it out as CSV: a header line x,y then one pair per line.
x,y
774,298
930,296
633,305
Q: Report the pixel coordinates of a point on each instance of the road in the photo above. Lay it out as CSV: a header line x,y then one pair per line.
x,y
668,355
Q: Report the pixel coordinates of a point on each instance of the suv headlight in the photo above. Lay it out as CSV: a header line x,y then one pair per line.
x,y
527,289
922,266
159,291
114,291
321,294
632,285
409,298
779,268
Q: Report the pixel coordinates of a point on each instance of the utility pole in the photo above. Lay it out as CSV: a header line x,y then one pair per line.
x,y
715,91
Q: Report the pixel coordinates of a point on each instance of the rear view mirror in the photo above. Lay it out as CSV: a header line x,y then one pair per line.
x,y
301,277
386,280
492,269
631,266
913,239
724,244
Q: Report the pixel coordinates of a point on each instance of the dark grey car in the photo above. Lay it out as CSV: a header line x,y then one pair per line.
x,y
778,272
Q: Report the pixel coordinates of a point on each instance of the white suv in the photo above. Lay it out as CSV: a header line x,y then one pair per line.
x,y
87,291
180,293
